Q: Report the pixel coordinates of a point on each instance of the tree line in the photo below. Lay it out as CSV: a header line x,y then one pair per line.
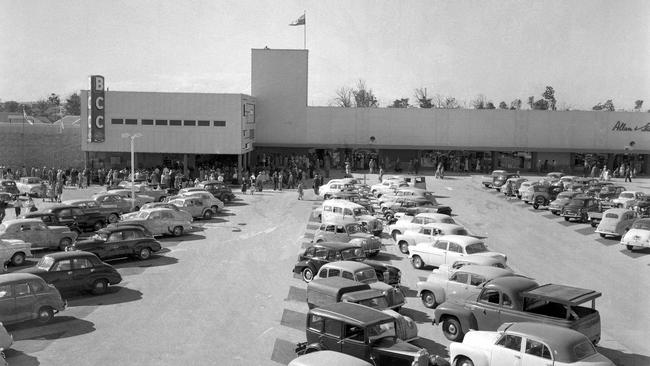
x,y
360,96
49,108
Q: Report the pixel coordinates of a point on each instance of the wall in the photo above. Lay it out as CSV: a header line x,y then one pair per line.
x,y
43,145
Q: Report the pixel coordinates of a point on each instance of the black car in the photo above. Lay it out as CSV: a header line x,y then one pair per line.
x,y
642,206
10,187
86,221
75,271
218,189
51,219
579,207
120,241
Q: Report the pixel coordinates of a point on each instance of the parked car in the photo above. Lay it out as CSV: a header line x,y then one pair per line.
x,y
74,216
348,232
408,222
609,192
406,192
448,249
30,186
207,199
140,199
366,273
144,189
642,206
616,222
356,197
361,332
562,199
523,187
516,298
638,236
51,219
24,296
595,187
14,251
195,207
511,186
34,231
218,189
6,340
627,198
445,283
543,195
579,207
123,241
89,206
113,205
526,343
335,186
413,206
75,271
489,179
316,255
151,205
501,178
343,212
9,186
427,233
327,358
160,221
387,186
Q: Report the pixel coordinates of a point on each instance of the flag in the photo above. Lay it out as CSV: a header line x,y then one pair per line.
x,y
31,122
299,21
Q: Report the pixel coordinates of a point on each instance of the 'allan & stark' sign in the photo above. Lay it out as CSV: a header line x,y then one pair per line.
x,y
622,126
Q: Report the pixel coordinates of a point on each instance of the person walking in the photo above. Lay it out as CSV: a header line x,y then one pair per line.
x,y
300,190
316,184
252,180
17,206
3,207
628,174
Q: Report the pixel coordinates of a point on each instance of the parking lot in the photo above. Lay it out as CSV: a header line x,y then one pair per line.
x,y
225,294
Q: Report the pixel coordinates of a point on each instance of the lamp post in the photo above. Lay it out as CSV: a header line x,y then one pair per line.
x,y
132,137
370,142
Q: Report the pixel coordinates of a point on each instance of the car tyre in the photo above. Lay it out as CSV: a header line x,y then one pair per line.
x,y
144,253
162,199
602,235
207,215
536,205
594,224
464,361
113,218
629,247
214,209
100,287
65,242
452,329
403,247
45,315
566,218
428,299
394,234
307,274
18,259
417,262
177,231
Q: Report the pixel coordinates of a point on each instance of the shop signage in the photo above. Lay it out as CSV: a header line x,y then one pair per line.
x,y
622,126
96,100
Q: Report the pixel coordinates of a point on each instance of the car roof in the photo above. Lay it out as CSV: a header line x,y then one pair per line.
x,y
21,221
334,245
16,276
561,340
77,201
443,226
155,209
348,265
631,192
461,240
342,203
432,215
59,206
70,254
489,272
111,229
515,283
617,211
352,313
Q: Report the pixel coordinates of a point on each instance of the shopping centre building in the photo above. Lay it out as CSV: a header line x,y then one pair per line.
x,y
190,129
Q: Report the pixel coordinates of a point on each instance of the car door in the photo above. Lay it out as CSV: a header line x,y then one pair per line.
x,y
50,237
35,234
454,253
24,300
82,269
7,303
507,351
65,216
340,234
60,274
536,354
435,253
486,311
424,235
112,245
457,285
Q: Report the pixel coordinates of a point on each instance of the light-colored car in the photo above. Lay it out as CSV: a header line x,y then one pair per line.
x,y
208,199
195,207
408,222
448,249
616,222
161,221
344,211
115,204
638,236
387,186
14,251
523,188
34,231
445,283
427,233
140,199
30,186
334,186
626,198
405,192
347,232
562,199
168,205
526,343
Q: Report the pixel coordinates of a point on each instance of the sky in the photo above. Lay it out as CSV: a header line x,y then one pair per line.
x,y
587,50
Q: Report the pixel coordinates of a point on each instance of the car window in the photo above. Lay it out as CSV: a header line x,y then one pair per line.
x,y
327,208
62,265
340,229
426,231
476,280
347,212
322,273
310,252
347,275
25,227
354,333
460,277
77,212
510,341
490,296
330,228
316,323
537,349
332,327
417,220
453,247
46,219
40,226
505,300
321,253
5,291
116,236
37,286
334,272
441,245
21,289
81,263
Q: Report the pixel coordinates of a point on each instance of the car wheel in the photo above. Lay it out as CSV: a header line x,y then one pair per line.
x,y
619,205
307,274
214,209
464,362
144,253
417,262
113,218
452,330
327,196
45,314
207,215
630,247
566,218
99,287
394,234
389,216
162,199
403,247
18,259
428,299
64,243
178,231
594,223
98,225
602,235
535,205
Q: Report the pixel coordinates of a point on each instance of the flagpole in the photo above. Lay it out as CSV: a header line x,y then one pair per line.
x,y
304,37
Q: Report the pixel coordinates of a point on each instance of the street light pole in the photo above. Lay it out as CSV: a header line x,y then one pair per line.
x,y
132,137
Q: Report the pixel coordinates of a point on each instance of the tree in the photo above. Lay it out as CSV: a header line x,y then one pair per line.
x,y
54,100
400,103
503,105
363,96
607,106
490,105
40,107
451,103
638,104
549,95
421,97
479,102
515,104
73,105
12,106
343,97
541,104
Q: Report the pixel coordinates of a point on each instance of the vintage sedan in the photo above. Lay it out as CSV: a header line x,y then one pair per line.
x,y
218,189
30,186
74,216
642,206
413,206
579,207
408,222
74,271
316,255
9,186
144,189
24,296
122,241
562,199
616,222
609,192
140,199
405,192
427,233
526,343
34,231
446,283
160,221
627,198
348,232
387,186
335,186
448,249
194,206
51,219
159,205
363,272
638,236
208,199
14,251
113,205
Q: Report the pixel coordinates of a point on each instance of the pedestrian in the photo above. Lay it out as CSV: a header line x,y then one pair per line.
x,y
300,190
3,207
17,206
252,180
43,190
58,191
29,205
628,175
316,184
280,180
244,183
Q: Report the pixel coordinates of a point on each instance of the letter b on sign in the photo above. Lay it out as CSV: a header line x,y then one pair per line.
x,y
96,124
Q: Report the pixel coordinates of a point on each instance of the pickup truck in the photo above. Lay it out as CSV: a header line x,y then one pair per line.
x,y
520,299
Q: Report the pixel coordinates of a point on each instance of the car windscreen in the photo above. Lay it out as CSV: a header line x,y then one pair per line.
x,y
448,220
379,302
142,215
351,253
458,232
356,228
476,248
378,331
575,202
642,225
45,263
564,196
360,212
626,195
9,183
366,275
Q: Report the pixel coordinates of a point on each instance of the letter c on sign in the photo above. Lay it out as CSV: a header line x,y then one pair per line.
x,y
99,121
99,103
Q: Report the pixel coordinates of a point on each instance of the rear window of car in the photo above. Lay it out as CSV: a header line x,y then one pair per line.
x,y
584,350
476,248
611,215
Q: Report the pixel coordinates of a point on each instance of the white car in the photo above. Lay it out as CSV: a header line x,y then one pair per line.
x,y
526,344
14,251
335,186
407,222
427,233
405,192
30,186
387,187
448,249
208,199
638,236
626,198
140,199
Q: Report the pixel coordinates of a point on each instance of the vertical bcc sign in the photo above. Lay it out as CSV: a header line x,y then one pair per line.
x,y
96,132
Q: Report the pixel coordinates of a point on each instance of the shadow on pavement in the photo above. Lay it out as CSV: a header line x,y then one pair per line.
x,y
417,315
637,253
622,358
408,292
434,348
114,295
236,203
59,327
15,357
184,238
384,256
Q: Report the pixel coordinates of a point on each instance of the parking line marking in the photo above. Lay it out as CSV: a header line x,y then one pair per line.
x,y
296,294
283,351
294,319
